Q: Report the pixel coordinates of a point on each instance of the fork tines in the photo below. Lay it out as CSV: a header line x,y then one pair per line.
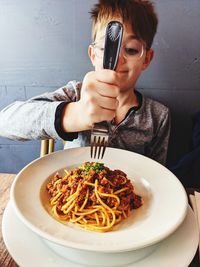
x,y
99,140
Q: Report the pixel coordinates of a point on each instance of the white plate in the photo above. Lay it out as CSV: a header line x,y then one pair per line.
x,y
28,250
164,209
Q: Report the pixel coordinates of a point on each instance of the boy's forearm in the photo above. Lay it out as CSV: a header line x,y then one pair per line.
x,y
28,120
72,118
36,117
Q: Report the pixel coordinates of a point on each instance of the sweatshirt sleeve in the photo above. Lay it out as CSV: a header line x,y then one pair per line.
x,y
36,117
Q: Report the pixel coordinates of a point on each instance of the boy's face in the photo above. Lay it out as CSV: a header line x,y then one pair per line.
x,y
129,66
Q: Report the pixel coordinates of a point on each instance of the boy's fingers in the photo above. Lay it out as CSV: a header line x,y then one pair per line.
x,y
103,75
107,76
104,115
103,89
107,103
107,90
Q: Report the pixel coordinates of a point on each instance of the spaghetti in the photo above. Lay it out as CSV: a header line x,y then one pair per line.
x,y
92,196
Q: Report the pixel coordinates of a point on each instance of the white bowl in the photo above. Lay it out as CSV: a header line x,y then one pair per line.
x,y
164,208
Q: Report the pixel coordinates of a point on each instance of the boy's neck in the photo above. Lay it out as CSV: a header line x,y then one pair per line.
x,y
126,101
127,98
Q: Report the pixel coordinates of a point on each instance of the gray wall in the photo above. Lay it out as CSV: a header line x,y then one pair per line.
x,y
43,44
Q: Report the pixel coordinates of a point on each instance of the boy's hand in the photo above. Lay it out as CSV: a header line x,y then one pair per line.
x,y
99,96
98,101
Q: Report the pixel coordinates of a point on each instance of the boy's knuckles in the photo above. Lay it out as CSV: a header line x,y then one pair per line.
x,y
90,101
88,86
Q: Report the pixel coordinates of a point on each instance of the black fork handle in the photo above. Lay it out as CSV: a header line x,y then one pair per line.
x,y
113,38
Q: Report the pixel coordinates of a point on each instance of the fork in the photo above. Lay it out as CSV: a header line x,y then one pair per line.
x,y
99,139
100,133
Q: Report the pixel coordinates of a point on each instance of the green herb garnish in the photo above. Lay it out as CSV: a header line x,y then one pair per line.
x,y
97,167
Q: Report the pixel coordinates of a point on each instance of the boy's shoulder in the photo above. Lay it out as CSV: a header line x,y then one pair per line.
x,y
154,105
153,110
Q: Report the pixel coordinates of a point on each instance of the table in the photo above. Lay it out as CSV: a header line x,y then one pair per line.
x,y
5,258
5,183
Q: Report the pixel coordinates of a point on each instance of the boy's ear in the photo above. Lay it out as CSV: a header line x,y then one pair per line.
x,y
91,54
148,58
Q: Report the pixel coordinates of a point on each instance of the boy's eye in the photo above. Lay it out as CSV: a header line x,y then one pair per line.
x,y
131,51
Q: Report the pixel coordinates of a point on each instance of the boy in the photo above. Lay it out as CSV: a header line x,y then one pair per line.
x,y
136,123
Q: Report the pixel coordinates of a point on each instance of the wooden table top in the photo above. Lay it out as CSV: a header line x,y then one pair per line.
x,y
5,259
5,183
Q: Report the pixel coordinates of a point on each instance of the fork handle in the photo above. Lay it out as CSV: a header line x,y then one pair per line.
x,y
101,126
113,38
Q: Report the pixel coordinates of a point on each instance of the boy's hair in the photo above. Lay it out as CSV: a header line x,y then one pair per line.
x,y
139,13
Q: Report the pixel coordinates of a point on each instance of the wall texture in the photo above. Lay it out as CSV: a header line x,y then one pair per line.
x,y
43,44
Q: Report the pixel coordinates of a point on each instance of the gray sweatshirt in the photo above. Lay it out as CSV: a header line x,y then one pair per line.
x,y
144,130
